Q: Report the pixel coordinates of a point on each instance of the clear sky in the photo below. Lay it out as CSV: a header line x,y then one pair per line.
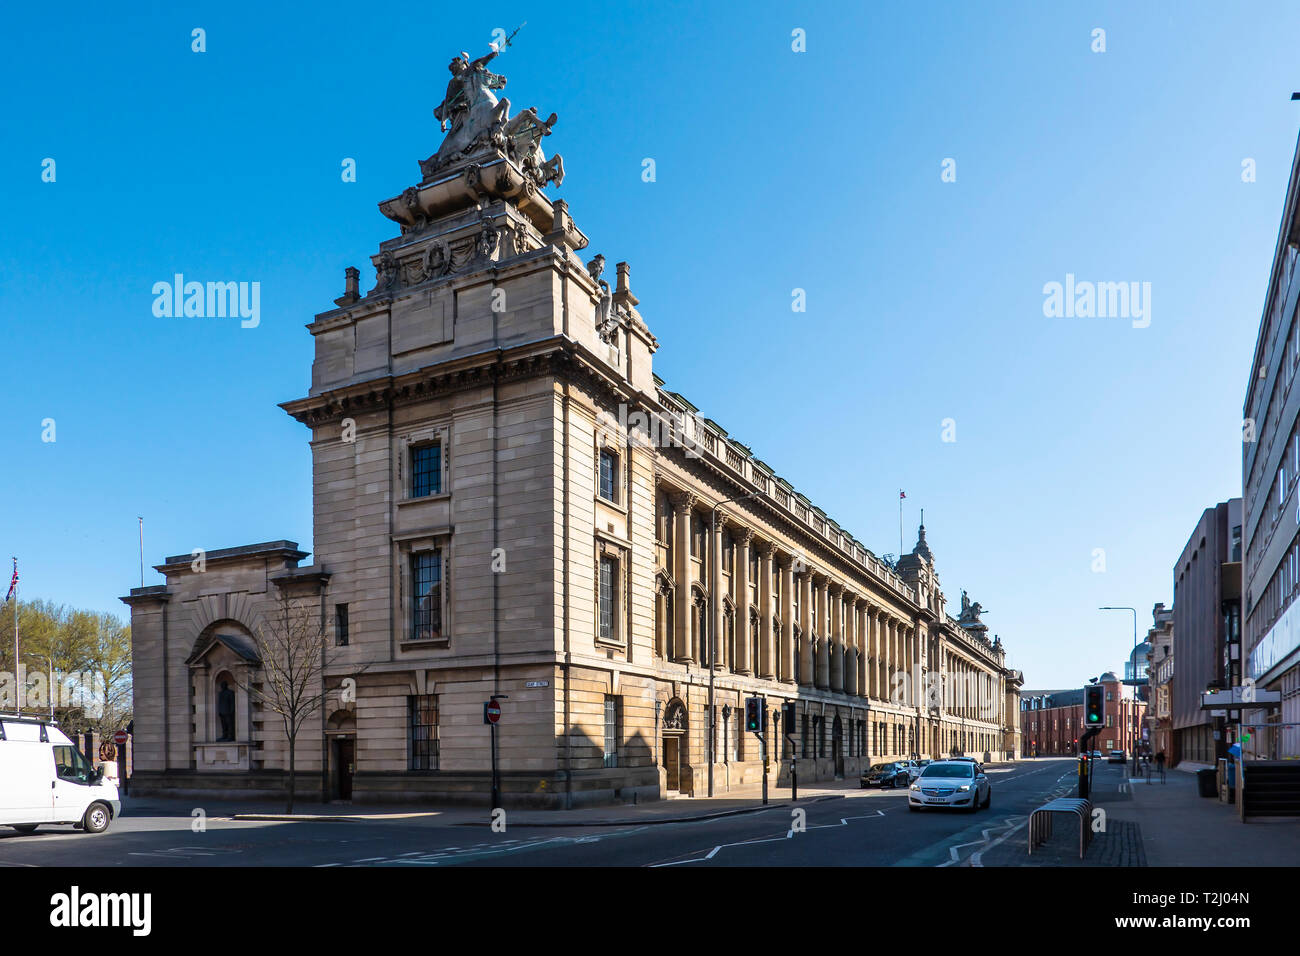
x,y
775,170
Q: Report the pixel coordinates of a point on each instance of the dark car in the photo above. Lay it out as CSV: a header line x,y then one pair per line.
x,y
893,774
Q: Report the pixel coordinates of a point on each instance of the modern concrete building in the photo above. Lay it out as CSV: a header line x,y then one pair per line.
x,y
1207,618
1270,505
508,501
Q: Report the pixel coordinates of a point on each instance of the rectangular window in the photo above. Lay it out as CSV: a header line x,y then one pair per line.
x,y
608,598
426,470
423,743
341,625
611,730
609,476
426,595
803,736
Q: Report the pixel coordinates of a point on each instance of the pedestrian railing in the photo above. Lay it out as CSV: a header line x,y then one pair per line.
x,y
1040,821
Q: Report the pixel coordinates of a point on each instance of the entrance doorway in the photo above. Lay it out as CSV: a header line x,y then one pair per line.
x,y
673,761
674,742
345,755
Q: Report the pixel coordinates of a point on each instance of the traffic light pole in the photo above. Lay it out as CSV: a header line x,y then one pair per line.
x,y
1085,762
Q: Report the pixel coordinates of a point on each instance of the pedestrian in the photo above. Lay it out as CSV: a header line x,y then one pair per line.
x,y
1160,760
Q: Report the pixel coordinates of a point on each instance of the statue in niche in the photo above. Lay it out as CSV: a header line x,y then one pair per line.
x,y
226,712
606,320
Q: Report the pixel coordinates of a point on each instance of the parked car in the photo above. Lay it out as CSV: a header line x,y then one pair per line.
x,y
968,760
45,779
1095,755
1117,756
892,774
950,783
917,766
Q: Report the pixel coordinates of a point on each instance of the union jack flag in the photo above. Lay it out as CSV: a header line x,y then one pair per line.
x,y
13,585
902,494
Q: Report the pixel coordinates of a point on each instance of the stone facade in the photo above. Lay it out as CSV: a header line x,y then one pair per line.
x,y
508,501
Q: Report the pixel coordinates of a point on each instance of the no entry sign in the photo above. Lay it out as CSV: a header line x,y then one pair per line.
x,y
491,712
120,738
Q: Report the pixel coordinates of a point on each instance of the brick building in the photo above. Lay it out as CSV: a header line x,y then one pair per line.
x,y
1051,721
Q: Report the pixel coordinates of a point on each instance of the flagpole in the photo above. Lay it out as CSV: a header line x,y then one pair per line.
x,y
18,691
900,523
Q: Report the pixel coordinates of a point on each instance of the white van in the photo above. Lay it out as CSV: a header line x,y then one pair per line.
x,y
45,779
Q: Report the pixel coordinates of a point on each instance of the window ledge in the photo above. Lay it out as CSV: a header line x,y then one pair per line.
x,y
408,500
438,642
615,505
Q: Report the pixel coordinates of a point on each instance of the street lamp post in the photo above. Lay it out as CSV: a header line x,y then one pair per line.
x,y
1133,721
715,562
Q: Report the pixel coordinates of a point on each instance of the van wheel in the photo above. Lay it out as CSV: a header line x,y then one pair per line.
x,y
26,827
97,818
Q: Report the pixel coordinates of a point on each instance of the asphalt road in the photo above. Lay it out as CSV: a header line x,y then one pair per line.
x,y
864,828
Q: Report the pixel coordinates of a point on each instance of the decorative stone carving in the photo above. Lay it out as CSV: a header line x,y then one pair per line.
x,y
476,121
488,241
385,274
675,716
436,261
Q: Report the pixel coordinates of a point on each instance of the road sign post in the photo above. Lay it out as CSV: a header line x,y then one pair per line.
x,y
491,717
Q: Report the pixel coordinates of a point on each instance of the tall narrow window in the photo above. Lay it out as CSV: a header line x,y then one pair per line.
x,y
611,730
423,724
341,625
426,595
609,476
426,470
608,598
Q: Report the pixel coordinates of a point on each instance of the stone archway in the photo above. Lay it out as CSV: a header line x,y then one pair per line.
x,y
676,757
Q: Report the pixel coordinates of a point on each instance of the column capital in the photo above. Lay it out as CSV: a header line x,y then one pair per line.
x,y
683,499
744,535
834,587
766,549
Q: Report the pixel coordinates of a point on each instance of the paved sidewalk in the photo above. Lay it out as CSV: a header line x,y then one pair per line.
x,y
1155,824
740,799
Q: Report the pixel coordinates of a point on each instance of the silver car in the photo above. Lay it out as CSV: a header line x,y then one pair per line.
x,y
950,783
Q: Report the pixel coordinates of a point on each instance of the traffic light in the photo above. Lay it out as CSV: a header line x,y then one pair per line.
x,y
754,714
1094,706
788,719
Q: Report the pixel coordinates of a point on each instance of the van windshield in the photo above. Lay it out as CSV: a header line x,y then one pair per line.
x,y
71,765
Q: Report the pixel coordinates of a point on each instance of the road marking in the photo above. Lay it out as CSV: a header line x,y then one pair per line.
x,y
844,821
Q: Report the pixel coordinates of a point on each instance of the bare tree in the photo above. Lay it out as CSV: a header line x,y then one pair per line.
x,y
291,644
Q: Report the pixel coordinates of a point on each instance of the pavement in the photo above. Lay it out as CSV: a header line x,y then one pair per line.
x,y
738,800
1152,823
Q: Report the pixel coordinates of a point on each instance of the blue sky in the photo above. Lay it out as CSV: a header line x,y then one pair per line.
x,y
776,170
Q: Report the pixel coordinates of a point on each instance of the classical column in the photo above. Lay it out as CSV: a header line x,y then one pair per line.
x,y
824,628
806,676
873,652
683,503
835,632
852,653
717,654
766,608
786,564
740,574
